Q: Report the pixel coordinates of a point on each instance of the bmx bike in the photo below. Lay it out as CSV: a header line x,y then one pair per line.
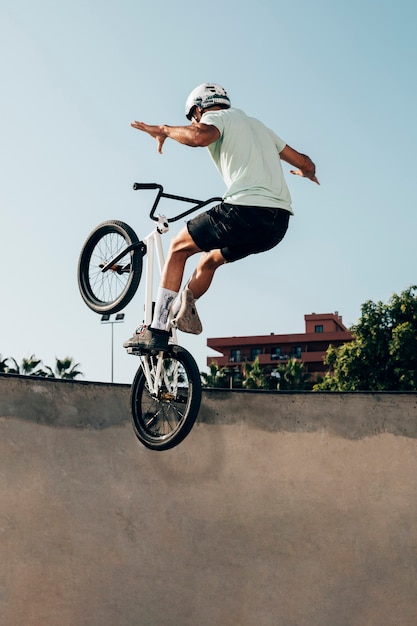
x,y
165,394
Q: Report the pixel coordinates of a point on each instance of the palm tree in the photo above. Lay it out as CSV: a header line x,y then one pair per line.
x,y
3,365
27,367
216,378
292,376
64,368
254,377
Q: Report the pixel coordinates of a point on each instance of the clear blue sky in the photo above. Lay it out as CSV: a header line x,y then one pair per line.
x,y
334,80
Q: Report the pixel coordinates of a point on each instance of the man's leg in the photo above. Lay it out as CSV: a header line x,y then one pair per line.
x,y
156,337
203,275
184,308
181,248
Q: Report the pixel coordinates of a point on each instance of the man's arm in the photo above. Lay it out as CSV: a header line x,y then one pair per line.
x,y
305,165
195,135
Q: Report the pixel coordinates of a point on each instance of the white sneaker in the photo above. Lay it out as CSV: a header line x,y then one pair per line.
x,y
187,318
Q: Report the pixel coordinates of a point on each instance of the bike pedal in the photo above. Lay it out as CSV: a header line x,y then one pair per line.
x,y
136,351
143,351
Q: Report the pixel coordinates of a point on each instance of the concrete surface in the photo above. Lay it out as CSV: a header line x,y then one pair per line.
x,y
278,509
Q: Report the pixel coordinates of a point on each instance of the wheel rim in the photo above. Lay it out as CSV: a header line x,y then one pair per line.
x,y
160,417
107,287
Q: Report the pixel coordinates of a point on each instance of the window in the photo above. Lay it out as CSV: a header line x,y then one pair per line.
x,y
235,356
318,328
275,354
254,353
296,352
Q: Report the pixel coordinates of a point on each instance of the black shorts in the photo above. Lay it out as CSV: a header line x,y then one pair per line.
x,y
238,231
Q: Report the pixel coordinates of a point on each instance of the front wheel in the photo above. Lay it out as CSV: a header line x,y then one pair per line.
x,y
165,398
111,290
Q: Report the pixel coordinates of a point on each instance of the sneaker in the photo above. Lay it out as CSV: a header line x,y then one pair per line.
x,y
187,318
147,339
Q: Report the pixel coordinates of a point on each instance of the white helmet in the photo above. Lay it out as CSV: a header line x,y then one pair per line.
x,y
205,96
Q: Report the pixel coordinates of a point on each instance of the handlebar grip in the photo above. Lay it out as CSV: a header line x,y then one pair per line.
x,y
137,186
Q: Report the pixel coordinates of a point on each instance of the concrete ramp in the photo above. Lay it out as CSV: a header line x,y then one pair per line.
x,y
278,509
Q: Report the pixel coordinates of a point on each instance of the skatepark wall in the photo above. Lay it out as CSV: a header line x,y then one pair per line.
x,y
292,509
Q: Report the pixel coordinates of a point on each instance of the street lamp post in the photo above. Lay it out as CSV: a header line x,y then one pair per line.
x,y
106,319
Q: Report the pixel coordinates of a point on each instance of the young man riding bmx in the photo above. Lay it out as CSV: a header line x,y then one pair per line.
x,y
252,218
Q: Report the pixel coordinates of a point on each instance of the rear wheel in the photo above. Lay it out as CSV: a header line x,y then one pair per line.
x,y
163,414
112,290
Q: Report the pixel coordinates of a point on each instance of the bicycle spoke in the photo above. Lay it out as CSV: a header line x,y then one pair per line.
x,y
165,398
108,285
166,413
110,291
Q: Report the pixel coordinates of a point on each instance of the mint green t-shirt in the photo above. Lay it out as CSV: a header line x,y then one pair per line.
x,y
247,157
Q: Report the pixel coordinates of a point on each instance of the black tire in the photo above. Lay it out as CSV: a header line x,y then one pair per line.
x,y
111,291
162,422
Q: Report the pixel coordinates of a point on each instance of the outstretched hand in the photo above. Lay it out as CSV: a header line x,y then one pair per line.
x,y
154,131
300,173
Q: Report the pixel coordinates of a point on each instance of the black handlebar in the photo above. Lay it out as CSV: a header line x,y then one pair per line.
x,y
198,203
137,186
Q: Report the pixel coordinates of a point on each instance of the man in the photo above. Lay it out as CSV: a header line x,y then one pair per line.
x,y
252,218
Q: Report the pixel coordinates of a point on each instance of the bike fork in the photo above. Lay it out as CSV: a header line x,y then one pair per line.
x,y
160,383
152,376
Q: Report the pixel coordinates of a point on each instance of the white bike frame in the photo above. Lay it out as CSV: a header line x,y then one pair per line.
x,y
154,370
155,253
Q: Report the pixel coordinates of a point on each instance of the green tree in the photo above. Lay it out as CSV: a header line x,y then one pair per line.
x,y
28,367
216,378
383,353
253,376
293,377
3,365
64,368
